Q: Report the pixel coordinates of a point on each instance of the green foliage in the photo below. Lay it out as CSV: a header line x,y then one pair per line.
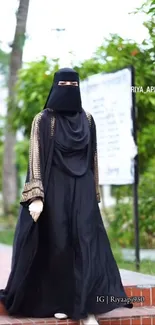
x,y
22,151
121,222
33,86
147,203
148,7
7,236
89,67
4,62
121,228
22,155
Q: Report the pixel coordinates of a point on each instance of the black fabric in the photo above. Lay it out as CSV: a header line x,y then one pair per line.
x,y
64,261
65,98
72,143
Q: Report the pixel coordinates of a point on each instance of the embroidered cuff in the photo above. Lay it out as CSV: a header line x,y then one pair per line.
x,y
32,190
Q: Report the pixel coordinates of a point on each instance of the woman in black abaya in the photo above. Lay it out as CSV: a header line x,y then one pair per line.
x,y
62,261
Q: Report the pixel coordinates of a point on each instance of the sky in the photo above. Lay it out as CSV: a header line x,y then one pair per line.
x,y
86,24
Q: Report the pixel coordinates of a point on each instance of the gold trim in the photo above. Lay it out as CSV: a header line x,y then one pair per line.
x,y
34,183
34,159
32,189
52,125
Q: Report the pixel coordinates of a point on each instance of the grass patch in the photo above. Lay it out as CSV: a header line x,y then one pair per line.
x,y
146,266
6,236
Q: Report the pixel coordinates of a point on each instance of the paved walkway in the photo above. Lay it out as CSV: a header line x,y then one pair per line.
x,y
128,277
145,254
5,264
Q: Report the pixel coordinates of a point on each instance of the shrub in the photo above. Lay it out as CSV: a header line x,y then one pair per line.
x,y
121,219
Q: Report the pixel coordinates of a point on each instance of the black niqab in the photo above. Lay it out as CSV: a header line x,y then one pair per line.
x,y
65,98
72,134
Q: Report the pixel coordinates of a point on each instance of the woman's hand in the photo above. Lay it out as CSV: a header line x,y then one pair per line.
x,y
35,208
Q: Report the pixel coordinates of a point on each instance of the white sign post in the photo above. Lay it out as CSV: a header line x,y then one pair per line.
x,y
108,97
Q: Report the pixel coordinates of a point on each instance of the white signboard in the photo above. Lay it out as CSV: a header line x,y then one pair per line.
x,y
108,97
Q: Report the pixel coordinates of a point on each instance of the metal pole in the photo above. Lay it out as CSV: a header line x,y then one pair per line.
x,y
135,185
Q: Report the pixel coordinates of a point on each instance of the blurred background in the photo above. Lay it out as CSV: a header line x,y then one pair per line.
x,y
38,37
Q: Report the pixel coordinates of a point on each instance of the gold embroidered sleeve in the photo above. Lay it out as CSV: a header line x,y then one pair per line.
x,y
34,186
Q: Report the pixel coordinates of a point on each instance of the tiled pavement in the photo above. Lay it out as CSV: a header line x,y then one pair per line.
x,y
5,263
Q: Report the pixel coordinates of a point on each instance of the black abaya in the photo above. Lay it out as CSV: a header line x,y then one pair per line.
x,y
64,262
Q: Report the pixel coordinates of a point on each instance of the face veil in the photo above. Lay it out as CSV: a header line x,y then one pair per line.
x,y
72,132
65,98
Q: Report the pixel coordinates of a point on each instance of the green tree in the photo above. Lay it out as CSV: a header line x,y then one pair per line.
x,y
9,160
33,86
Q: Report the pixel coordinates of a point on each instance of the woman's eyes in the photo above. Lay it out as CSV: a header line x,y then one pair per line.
x,y
61,83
